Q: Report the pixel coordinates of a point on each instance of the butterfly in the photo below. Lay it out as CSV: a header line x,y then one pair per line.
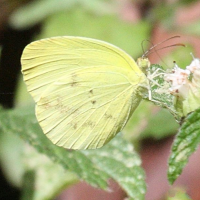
x,y
85,89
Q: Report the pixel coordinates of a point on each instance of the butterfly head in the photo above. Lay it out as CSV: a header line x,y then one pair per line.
x,y
143,63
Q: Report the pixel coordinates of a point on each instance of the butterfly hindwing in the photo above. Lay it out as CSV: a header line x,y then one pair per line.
x,y
77,112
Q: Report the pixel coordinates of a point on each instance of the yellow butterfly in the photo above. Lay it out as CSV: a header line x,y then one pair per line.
x,y
85,89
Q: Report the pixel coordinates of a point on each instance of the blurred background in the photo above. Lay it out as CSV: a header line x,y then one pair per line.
x,y
124,23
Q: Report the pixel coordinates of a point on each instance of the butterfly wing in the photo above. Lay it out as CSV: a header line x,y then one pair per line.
x,y
85,89
45,61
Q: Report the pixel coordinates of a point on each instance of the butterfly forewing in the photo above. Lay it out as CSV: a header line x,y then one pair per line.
x,y
45,61
85,89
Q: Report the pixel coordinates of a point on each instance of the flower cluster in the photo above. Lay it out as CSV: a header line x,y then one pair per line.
x,y
179,81
185,86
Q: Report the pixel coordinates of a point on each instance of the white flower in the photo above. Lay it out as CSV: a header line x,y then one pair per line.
x,y
194,68
185,86
179,81
195,65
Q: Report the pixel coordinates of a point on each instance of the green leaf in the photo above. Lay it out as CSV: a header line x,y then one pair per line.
x,y
185,143
36,11
157,83
23,123
156,126
116,160
119,160
43,179
78,22
160,89
143,126
178,194
11,151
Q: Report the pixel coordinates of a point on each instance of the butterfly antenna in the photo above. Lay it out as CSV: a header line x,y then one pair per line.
x,y
153,46
172,45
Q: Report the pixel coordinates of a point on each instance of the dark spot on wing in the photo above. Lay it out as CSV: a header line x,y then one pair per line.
x,y
108,116
93,101
91,91
60,106
74,83
74,80
90,124
75,126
